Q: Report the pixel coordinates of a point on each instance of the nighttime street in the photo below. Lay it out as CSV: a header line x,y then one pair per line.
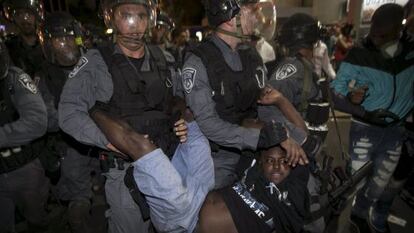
x,y
207,116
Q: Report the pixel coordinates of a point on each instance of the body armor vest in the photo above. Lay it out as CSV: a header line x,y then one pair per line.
x,y
15,157
234,92
143,98
55,79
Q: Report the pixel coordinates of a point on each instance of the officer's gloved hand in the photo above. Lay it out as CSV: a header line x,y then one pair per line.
x,y
379,117
271,134
99,106
312,145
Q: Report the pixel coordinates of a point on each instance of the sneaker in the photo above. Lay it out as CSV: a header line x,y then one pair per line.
x,y
378,224
360,223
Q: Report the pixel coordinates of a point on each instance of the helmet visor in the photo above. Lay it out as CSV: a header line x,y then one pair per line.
x,y
258,18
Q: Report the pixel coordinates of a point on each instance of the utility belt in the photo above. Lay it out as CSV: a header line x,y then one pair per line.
x,y
216,148
14,158
108,160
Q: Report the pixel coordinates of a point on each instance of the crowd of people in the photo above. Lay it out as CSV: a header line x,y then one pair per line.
x,y
221,135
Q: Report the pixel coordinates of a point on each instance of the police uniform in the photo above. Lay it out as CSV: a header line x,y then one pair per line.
x,y
220,104
135,90
76,159
23,118
25,56
295,79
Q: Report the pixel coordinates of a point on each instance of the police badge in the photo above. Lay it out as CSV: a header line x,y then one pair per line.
x,y
188,77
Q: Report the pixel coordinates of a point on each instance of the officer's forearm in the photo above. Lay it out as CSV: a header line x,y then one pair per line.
x,y
291,114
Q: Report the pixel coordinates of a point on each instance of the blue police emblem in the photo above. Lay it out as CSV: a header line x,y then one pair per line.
x,y
27,83
81,63
285,71
188,77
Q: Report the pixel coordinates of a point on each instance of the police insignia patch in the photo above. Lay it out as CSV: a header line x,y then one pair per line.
x,y
27,83
285,71
81,63
188,76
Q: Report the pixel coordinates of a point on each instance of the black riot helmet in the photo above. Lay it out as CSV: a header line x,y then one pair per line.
x,y
299,31
164,20
4,60
130,20
109,6
61,39
11,7
220,11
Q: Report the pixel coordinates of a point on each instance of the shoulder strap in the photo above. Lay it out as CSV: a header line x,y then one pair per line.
x,y
106,53
307,84
212,59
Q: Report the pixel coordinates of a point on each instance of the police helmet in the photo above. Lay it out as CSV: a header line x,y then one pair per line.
x,y
60,36
10,8
220,11
164,20
299,31
109,6
4,61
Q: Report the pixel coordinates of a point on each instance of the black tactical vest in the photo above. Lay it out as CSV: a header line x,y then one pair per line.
x,y
55,79
143,98
27,58
16,157
234,92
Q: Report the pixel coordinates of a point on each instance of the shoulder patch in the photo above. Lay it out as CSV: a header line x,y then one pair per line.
x,y
27,83
188,76
81,63
285,71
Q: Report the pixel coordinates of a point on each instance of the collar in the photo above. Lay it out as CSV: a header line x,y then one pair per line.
x,y
232,57
145,67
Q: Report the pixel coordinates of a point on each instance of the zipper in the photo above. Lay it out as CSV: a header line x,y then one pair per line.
x,y
394,91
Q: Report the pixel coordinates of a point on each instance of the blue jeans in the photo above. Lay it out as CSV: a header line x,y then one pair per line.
x,y
383,147
381,209
175,190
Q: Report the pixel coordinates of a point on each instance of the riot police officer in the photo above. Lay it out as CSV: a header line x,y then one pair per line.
x,y
222,79
132,81
59,36
23,118
294,76
26,15
160,34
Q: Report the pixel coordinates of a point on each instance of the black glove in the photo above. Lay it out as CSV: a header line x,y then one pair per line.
x,y
271,134
379,117
99,106
312,145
